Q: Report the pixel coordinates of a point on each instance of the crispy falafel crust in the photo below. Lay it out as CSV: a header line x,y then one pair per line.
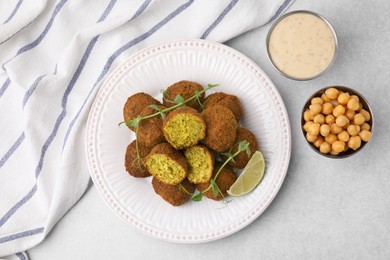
x,y
131,162
172,193
226,100
166,151
135,104
191,135
150,130
241,160
221,128
186,89
225,179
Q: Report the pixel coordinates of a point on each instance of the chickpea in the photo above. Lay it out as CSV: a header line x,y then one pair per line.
x,y
358,119
366,126
353,104
325,130
307,125
343,98
360,106
352,130
335,129
329,119
338,146
342,121
319,141
366,114
333,152
331,138
325,97
343,136
315,109
350,114
307,116
319,118
332,93
354,142
334,102
311,138
327,108
365,135
317,100
325,147
339,110
355,97
314,129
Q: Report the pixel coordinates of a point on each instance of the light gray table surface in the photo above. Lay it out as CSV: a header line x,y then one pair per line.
x,y
325,209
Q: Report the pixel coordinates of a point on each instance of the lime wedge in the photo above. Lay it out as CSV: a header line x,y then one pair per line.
x,y
250,177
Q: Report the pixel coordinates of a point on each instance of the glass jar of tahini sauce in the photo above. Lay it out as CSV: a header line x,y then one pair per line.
x,y
302,45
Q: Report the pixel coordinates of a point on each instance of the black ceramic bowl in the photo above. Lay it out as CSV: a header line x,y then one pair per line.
x,y
366,107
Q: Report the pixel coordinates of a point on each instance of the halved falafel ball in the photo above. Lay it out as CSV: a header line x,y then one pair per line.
x,y
134,166
173,194
184,127
200,164
230,101
186,89
242,159
221,126
225,179
135,104
167,164
150,130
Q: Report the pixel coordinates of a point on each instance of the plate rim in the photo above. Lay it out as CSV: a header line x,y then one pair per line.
x,y
256,211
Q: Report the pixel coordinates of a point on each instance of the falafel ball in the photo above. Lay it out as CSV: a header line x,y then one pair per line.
x,y
230,101
242,159
225,179
167,164
135,104
133,166
184,127
200,163
221,126
173,194
150,130
186,89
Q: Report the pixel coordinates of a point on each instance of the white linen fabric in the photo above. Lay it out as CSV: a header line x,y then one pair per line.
x,y
54,55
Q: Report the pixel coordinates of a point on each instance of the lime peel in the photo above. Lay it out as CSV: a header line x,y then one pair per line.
x,y
250,177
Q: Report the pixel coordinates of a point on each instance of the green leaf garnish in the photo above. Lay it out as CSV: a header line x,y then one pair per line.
x,y
155,107
214,187
243,145
197,197
179,100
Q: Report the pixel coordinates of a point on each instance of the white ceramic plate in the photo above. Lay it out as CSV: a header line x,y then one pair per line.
x,y
151,70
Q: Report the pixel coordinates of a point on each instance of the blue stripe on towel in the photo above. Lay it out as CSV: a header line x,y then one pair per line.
x,y
4,87
118,52
18,4
21,256
32,88
45,31
21,234
12,149
219,19
280,10
18,205
42,35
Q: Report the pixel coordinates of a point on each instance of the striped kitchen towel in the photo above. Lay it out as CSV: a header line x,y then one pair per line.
x,y
54,55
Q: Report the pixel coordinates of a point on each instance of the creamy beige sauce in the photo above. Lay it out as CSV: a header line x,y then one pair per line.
x,y
302,45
